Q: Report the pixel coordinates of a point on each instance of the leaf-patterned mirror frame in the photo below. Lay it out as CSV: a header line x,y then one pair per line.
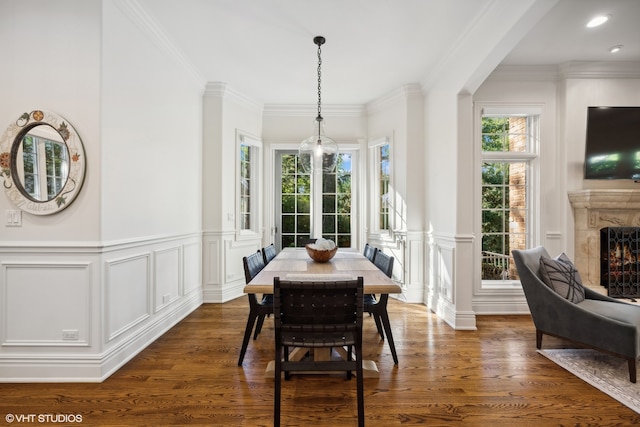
x,y
11,140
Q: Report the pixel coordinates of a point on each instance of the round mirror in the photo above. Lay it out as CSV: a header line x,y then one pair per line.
x,y
42,162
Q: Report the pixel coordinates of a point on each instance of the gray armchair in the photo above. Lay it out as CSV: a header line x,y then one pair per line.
x,y
598,322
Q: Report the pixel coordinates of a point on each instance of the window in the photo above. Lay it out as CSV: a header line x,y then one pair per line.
x,y
380,158
336,202
295,202
509,153
310,205
248,196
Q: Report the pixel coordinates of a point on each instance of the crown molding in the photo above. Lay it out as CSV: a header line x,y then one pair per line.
x,y
567,70
311,110
524,72
600,70
399,95
224,91
139,16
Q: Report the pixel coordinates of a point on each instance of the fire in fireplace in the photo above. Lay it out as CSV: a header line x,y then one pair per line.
x,y
619,265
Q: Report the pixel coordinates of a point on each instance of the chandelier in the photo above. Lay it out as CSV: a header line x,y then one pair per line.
x,y
318,152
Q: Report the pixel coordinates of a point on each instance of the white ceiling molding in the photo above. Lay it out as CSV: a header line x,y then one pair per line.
x,y
311,110
223,90
600,70
399,95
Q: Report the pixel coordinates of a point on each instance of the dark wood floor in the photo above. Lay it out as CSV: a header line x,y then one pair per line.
x,y
489,377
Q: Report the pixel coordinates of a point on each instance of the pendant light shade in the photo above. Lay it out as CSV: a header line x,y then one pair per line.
x,y
318,152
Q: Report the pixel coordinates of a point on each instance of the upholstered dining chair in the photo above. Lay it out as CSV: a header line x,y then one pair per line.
x,y
269,253
370,252
253,264
379,308
317,314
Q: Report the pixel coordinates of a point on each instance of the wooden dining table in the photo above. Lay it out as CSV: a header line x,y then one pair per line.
x,y
295,264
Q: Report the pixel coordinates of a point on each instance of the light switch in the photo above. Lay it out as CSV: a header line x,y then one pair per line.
x,y
14,218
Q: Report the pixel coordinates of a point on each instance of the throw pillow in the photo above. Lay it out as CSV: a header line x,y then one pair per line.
x,y
561,275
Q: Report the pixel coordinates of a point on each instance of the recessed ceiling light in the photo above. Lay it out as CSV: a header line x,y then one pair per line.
x,y
598,20
615,49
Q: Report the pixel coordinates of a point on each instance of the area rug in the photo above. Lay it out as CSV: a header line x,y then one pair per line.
x,y
607,373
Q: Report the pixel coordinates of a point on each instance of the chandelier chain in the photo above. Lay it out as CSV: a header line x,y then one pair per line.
x,y
319,81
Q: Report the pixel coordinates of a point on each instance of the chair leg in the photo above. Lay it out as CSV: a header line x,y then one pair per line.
x,y
632,369
360,388
538,339
387,328
247,335
258,326
277,388
376,317
349,358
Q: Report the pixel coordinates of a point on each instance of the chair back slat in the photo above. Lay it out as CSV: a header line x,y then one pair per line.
x,y
253,264
384,262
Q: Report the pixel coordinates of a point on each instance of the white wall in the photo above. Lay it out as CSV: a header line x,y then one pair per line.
x,y
122,263
57,71
151,120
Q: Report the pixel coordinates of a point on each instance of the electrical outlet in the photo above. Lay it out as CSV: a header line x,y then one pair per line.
x,y
166,299
70,334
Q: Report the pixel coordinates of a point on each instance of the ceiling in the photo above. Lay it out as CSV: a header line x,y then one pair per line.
x,y
264,48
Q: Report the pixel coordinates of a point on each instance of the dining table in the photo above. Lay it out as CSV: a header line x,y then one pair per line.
x,y
347,263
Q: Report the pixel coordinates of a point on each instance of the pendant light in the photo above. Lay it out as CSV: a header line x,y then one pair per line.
x,y
318,152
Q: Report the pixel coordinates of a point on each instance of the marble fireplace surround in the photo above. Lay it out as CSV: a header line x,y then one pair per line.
x,y
594,210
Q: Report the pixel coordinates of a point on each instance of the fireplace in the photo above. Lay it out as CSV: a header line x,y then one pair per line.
x,y
594,210
620,266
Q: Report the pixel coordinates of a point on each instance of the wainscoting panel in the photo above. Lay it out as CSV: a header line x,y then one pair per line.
x,y
78,312
128,291
56,291
191,256
167,277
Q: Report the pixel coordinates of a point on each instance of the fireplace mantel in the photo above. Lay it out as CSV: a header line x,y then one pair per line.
x,y
594,210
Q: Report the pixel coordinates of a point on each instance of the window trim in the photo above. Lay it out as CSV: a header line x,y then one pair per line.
x,y
374,187
255,194
532,157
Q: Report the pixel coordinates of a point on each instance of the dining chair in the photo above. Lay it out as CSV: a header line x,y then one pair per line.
x,y
269,253
253,264
317,314
379,308
370,252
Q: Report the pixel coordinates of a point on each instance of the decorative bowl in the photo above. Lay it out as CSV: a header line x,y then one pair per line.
x,y
319,255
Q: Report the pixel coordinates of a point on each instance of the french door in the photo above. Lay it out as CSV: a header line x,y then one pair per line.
x,y
313,205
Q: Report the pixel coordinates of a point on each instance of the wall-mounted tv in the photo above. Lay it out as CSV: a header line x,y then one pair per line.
x,y
613,143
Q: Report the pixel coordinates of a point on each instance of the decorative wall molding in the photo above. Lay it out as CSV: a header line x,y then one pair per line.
x,y
64,302
110,296
311,110
402,94
224,91
568,70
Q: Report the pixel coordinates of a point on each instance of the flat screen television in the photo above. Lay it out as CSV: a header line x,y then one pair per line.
x,y
612,148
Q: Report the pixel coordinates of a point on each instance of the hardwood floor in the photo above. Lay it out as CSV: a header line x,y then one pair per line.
x,y
489,377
